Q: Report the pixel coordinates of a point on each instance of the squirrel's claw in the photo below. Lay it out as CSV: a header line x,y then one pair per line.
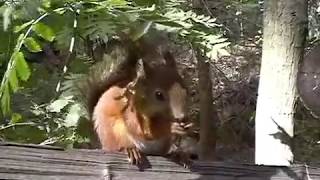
x,y
180,128
181,158
134,156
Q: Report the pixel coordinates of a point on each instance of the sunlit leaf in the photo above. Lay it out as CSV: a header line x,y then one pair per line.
x,y
13,80
32,45
73,115
44,31
23,26
58,105
17,47
22,67
5,100
46,3
16,118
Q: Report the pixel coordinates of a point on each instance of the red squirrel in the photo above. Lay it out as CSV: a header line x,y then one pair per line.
x,y
139,107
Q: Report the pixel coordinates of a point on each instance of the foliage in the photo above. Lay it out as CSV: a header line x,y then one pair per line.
x,y
67,25
314,20
42,103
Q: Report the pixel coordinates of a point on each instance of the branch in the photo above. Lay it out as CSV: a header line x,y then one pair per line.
x,y
17,124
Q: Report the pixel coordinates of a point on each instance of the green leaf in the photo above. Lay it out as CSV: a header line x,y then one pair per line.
x,y
46,3
17,47
5,100
58,105
44,31
73,115
22,67
23,26
16,118
32,45
13,80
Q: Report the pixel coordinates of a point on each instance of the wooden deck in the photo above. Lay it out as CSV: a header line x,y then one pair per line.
x,y
35,162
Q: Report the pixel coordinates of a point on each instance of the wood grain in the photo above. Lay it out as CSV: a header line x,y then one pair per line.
x,y
34,162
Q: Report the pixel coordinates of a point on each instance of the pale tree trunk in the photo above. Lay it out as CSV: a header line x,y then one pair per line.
x,y
208,115
285,23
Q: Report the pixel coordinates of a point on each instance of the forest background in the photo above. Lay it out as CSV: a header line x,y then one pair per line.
x,y
47,47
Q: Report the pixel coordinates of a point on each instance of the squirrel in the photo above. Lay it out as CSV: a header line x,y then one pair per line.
x,y
141,105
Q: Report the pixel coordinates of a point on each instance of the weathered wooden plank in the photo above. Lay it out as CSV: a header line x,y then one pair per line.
x,y
45,162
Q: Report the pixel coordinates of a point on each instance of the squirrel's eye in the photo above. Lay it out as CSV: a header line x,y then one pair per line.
x,y
159,95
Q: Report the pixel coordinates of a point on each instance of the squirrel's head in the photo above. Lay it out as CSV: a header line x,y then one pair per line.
x,y
160,95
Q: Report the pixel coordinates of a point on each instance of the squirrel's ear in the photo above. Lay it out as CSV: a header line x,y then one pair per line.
x,y
140,69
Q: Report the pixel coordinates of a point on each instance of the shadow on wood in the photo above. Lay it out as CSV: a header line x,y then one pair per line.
x,y
20,161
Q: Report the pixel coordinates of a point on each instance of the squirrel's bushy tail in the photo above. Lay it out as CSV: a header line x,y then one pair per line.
x,y
115,67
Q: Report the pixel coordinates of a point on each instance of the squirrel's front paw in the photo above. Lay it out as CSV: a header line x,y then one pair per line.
x,y
181,158
134,156
180,128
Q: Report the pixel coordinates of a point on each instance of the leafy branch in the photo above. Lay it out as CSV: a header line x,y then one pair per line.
x,y
17,66
17,124
60,22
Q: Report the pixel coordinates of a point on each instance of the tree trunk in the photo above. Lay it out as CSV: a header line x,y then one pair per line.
x,y
285,23
208,115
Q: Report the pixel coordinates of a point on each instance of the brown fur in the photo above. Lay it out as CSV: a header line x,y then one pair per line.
x,y
139,119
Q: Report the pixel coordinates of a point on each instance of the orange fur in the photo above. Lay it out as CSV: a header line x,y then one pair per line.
x,y
117,123
109,121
